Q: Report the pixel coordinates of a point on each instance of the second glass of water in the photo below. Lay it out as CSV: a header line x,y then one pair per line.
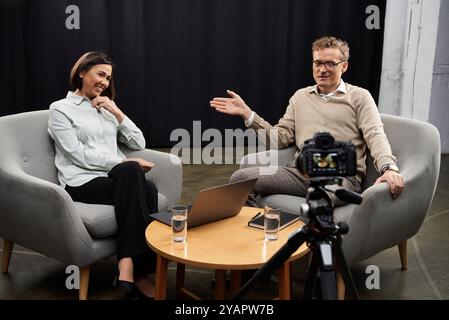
x,y
179,223
272,219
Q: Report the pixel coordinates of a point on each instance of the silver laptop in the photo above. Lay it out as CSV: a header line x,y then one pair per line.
x,y
214,204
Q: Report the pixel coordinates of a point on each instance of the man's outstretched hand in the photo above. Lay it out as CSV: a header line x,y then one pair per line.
x,y
394,180
234,105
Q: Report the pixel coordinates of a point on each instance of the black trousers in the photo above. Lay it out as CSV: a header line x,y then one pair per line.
x,y
133,198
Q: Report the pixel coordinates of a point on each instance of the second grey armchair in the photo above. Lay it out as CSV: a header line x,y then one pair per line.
x,y
380,222
35,212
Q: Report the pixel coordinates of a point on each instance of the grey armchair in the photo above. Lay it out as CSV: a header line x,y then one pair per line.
x,y
35,212
380,222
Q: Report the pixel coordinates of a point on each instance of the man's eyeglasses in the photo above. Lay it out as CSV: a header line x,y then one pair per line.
x,y
327,64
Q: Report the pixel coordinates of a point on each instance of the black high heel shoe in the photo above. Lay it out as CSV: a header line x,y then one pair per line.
x,y
130,290
127,287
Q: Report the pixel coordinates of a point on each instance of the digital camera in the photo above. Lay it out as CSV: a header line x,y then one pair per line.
x,y
322,156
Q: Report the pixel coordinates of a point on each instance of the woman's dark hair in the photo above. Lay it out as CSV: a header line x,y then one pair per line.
x,y
84,64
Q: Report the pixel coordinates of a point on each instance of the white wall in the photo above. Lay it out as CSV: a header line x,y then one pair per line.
x,y
439,102
414,82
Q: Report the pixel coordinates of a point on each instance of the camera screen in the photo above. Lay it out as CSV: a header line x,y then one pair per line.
x,y
325,162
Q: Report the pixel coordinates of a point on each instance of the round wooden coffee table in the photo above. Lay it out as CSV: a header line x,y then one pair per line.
x,y
227,244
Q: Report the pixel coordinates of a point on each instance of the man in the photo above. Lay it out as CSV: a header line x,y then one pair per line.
x,y
348,112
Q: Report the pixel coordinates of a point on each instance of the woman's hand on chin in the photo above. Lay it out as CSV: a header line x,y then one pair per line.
x,y
109,105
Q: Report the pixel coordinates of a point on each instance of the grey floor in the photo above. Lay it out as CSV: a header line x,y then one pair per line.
x,y
33,276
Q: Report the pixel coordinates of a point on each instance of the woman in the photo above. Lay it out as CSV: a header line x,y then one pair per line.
x,y
85,127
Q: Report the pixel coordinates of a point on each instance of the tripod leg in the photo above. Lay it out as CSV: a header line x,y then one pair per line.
x,y
310,283
295,240
328,286
344,270
327,271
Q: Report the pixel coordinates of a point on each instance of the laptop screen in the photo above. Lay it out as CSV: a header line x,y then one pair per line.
x,y
214,204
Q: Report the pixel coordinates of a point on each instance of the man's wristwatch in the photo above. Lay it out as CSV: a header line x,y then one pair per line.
x,y
390,166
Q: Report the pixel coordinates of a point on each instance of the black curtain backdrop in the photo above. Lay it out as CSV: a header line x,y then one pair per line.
x,y
173,56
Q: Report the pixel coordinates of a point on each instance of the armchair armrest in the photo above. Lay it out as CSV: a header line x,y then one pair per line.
x,y
40,215
269,158
166,174
383,222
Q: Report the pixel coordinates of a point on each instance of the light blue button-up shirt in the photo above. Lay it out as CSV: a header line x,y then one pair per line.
x,y
86,139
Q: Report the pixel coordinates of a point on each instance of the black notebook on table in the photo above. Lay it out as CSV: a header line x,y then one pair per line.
x,y
287,219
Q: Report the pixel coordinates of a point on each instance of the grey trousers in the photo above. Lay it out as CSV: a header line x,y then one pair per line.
x,y
286,180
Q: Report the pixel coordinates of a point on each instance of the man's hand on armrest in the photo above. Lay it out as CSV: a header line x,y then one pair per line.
x,y
394,180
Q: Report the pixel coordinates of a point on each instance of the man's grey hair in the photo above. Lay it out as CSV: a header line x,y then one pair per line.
x,y
332,42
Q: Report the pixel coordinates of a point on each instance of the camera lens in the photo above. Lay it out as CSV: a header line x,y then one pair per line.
x,y
324,140
325,143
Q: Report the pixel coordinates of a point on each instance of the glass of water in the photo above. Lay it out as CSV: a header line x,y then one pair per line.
x,y
272,219
179,223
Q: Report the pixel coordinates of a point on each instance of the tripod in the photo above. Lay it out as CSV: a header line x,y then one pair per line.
x,y
323,237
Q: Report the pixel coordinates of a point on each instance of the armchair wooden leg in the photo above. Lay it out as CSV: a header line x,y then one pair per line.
x,y
84,282
341,287
7,252
402,246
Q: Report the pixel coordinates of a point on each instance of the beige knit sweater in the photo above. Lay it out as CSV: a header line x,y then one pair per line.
x,y
351,116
